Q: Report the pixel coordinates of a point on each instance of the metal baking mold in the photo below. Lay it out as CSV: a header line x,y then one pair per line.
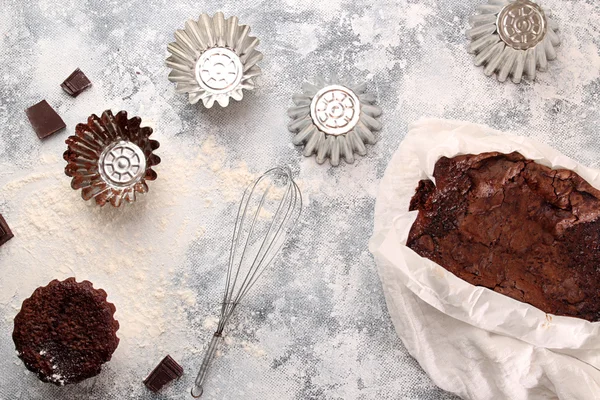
x,y
214,60
111,158
334,119
513,38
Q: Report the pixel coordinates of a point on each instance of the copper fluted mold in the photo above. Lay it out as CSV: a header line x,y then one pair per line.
x,y
110,158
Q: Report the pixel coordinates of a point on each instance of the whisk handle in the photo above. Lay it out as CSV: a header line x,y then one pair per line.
x,y
208,358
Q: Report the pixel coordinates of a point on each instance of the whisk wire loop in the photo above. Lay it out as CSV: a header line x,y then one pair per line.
x,y
254,247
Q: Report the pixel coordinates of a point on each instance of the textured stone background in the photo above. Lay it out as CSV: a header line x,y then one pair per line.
x,y
317,327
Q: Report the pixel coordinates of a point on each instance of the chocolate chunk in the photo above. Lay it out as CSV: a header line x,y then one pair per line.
x,y
76,83
167,371
44,119
5,232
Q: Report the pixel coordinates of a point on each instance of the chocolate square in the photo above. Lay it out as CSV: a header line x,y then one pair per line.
x,y
44,119
5,232
76,83
167,371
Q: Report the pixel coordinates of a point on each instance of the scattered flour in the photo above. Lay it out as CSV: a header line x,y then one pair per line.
x,y
253,349
210,323
136,253
382,28
326,9
416,14
290,33
58,378
139,253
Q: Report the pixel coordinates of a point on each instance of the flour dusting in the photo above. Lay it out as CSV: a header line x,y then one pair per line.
x,y
316,325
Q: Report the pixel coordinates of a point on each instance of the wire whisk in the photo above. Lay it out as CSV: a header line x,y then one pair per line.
x,y
268,213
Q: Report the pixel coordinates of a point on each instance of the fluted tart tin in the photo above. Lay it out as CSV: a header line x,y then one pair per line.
x,y
110,158
214,59
513,38
334,119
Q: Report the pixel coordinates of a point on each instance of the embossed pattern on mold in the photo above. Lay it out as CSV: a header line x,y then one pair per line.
x,y
110,158
214,60
513,39
123,163
334,119
522,25
335,110
219,70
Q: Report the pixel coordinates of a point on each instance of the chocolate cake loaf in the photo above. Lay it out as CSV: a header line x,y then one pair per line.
x,y
65,331
514,226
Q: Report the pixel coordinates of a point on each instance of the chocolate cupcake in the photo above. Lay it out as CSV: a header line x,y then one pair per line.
x,y
65,331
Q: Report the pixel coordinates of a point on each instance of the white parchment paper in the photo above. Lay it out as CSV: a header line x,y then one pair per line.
x,y
473,341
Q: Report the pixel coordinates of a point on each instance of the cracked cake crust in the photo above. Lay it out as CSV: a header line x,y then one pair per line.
x,y
65,331
514,226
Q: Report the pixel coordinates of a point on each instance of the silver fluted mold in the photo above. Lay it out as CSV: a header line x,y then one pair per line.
x,y
334,119
513,38
214,60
